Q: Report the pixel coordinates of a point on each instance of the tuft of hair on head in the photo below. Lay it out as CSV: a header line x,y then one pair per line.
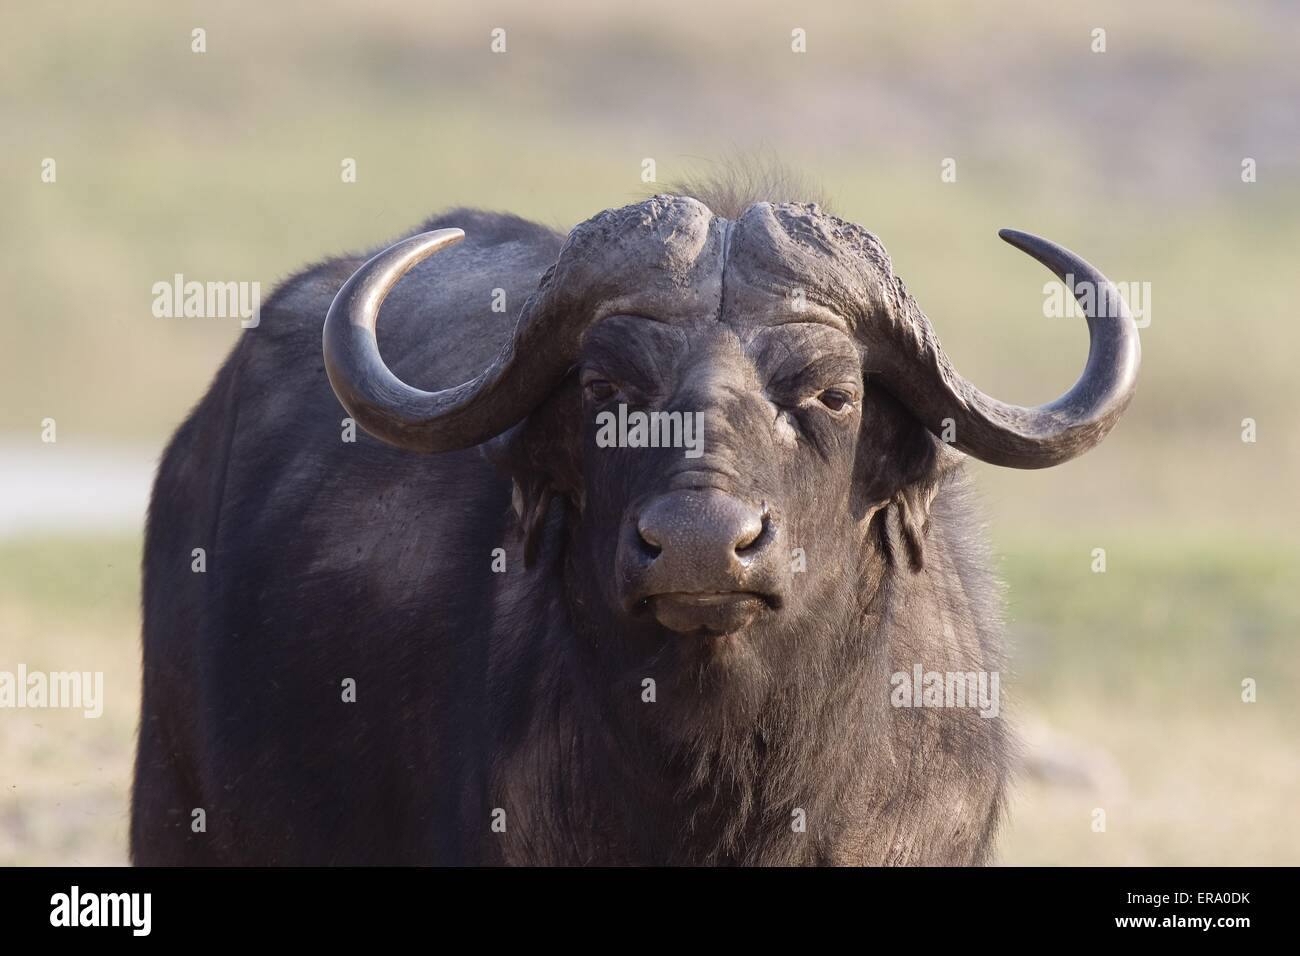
x,y
731,186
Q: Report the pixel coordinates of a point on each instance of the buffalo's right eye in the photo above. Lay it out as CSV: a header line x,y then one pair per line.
x,y
600,390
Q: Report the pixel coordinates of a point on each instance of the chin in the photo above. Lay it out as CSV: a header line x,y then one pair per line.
x,y
722,668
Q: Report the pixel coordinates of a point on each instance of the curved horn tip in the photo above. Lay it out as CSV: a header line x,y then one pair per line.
x,y
1058,259
432,240
1025,241
439,237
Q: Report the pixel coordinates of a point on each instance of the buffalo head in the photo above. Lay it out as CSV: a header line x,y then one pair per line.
x,y
801,393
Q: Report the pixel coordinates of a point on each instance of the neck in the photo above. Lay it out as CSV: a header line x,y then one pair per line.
x,y
758,758
740,750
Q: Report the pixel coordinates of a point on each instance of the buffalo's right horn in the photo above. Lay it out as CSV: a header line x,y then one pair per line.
x,y
530,364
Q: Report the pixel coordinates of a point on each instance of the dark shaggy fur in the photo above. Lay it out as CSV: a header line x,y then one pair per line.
x,y
487,698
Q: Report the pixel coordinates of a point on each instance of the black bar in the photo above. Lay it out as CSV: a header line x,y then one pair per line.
x,y
941,907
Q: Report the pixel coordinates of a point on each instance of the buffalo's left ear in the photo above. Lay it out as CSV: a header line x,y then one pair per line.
x,y
542,456
909,506
910,466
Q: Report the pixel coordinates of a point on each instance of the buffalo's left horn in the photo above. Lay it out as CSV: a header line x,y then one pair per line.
x,y
531,363
922,377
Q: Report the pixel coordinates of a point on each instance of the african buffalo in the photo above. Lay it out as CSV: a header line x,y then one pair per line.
x,y
492,627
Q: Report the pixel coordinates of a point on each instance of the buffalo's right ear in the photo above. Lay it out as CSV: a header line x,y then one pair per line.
x,y
542,457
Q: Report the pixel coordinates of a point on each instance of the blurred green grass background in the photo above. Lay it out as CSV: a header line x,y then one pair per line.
x,y
226,165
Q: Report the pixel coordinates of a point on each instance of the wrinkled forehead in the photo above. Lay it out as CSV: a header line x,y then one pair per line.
x,y
669,258
662,258
793,263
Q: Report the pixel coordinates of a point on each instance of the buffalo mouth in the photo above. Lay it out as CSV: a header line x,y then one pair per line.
x,y
708,612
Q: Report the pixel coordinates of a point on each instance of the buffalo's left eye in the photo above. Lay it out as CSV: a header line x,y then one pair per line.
x,y
835,399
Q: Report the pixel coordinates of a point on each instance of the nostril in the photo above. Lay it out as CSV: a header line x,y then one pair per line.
x,y
649,540
754,537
